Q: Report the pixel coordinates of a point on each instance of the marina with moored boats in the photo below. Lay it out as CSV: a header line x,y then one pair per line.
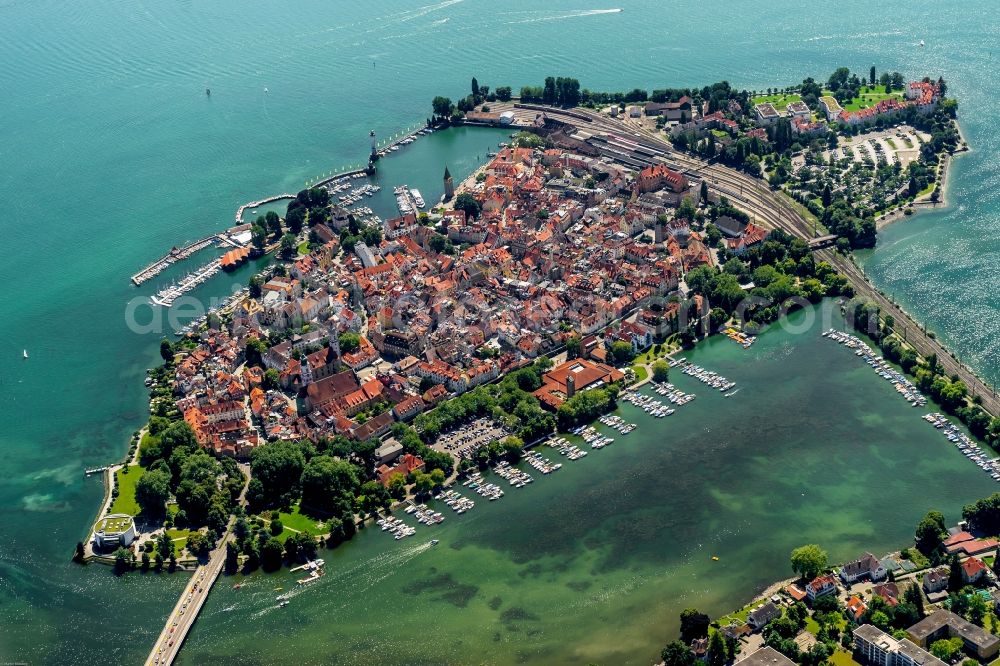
x,y
906,388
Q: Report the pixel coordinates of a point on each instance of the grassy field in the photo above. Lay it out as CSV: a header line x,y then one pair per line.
x,y
180,538
918,558
300,523
779,102
738,616
842,658
640,373
125,502
868,97
147,441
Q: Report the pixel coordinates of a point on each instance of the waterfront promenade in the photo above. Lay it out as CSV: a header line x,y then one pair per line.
x,y
774,210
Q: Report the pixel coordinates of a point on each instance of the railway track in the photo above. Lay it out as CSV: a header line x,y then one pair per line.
x,y
756,199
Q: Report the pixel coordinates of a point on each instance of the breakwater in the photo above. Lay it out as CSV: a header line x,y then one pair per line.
x,y
260,202
175,255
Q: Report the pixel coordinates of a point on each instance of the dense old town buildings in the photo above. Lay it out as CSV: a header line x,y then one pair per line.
x,y
562,245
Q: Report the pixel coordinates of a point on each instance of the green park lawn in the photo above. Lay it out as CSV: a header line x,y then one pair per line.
x,y
640,373
147,441
180,538
301,522
868,97
295,521
779,102
125,502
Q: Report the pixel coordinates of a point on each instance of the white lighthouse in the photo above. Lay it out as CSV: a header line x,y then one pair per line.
x,y
374,154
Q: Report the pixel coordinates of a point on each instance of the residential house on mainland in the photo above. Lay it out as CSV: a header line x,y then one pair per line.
x,y
830,107
964,543
865,567
388,452
699,646
973,569
856,607
679,110
752,235
758,618
766,114
888,591
935,580
798,109
820,587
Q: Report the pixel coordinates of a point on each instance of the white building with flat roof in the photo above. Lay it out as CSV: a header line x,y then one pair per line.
x,y
117,529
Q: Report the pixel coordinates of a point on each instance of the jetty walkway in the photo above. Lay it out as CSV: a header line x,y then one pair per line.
x,y
260,202
193,597
176,254
388,146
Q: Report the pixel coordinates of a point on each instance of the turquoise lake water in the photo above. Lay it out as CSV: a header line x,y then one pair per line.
x,y
113,153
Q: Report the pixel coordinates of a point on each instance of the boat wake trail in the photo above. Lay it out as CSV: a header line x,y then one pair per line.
x,y
558,17
426,9
862,35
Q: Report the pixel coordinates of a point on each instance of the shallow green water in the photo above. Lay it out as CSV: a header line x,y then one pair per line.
x,y
594,562
113,153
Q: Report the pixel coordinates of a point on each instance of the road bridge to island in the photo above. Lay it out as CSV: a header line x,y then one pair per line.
x,y
193,597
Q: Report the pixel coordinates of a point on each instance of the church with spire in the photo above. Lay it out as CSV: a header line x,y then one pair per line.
x,y
449,185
